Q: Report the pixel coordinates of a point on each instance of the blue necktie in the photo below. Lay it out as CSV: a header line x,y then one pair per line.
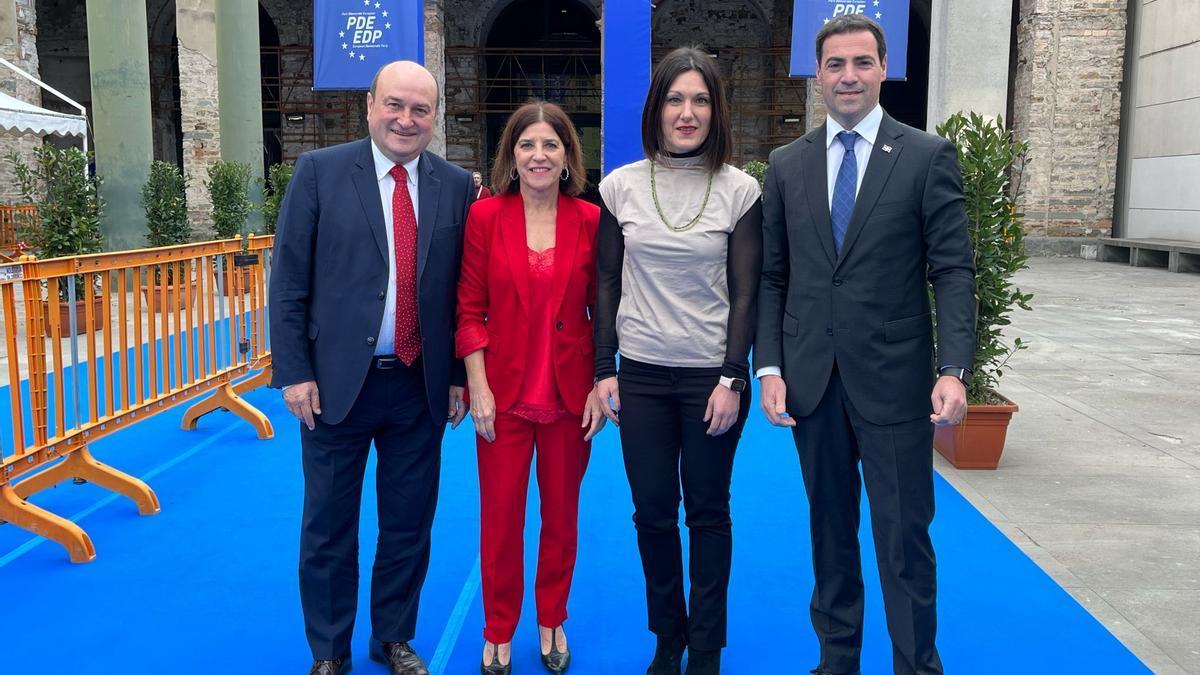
x,y
843,190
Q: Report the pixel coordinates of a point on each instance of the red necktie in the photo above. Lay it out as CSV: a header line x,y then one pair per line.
x,y
404,236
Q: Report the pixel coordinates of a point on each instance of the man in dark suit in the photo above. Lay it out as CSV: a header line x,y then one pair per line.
x,y
362,302
858,216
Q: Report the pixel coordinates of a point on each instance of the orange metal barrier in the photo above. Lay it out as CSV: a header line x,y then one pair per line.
x,y
134,347
11,218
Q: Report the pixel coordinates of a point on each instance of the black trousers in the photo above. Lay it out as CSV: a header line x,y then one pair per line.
x,y
897,465
665,446
391,411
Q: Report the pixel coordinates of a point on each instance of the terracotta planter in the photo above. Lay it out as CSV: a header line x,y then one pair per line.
x,y
243,284
64,315
977,442
174,297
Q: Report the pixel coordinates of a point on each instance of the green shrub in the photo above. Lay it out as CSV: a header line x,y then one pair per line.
x,y
992,161
228,187
164,199
757,169
68,203
278,177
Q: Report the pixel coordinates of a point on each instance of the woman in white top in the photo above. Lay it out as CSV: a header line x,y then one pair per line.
x,y
678,261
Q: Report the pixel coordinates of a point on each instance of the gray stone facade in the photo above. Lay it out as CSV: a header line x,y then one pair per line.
x,y
1067,106
18,44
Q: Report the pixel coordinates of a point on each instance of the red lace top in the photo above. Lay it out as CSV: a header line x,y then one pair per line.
x,y
539,401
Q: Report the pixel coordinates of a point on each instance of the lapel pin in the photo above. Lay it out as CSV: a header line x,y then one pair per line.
x,y
887,148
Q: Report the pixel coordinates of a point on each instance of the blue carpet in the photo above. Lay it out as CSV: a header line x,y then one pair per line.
x,y
209,584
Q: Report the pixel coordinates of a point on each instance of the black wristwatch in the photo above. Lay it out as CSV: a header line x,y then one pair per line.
x,y
735,384
963,374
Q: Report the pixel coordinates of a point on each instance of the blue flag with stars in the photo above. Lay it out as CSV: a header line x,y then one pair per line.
x,y
353,38
809,15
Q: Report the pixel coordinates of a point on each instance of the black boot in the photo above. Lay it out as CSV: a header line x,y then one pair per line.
x,y
668,656
703,661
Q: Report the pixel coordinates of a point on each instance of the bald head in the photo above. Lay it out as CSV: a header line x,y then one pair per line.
x,y
411,71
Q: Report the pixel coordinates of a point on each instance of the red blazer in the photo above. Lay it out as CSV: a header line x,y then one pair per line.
x,y
493,293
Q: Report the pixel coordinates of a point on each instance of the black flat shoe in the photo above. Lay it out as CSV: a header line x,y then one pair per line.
x,y
495,667
703,662
668,656
555,661
330,667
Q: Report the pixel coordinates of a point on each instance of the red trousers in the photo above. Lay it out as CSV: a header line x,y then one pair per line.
x,y
562,457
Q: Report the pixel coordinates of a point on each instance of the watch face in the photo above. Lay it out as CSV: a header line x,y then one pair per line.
x,y
738,385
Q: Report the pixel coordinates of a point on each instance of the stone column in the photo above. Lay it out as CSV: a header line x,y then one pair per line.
x,y
1067,105
814,106
968,58
240,102
196,28
435,61
120,73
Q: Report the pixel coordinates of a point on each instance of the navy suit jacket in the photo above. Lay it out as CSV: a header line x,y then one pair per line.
x,y
329,275
867,308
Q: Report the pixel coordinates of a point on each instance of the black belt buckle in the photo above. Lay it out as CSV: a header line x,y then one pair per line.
x,y
386,362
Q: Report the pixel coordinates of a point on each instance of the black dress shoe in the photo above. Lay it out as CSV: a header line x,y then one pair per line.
x,y
703,661
330,667
399,658
556,661
668,656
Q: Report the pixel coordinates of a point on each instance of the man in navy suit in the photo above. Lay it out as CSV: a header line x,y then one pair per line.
x,y
859,217
362,303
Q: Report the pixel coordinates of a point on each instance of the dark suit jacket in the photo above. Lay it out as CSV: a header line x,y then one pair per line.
x,y
493,296
867,308
329,274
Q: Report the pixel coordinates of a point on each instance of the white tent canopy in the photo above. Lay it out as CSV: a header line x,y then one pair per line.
x,y
20,117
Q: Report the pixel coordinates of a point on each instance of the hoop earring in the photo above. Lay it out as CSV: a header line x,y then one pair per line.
x,y
512,174
566,174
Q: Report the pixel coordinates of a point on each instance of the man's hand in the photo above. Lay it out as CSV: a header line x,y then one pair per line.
x,y
593,416
949,401
483,412
303,401
610,398
772,400
722,410
458,408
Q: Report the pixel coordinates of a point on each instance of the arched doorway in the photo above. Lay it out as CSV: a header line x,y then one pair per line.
x,y
547,49
908,100
272,111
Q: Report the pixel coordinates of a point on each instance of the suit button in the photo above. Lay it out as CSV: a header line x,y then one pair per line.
x,y
837,281
383,295
371,341
558,326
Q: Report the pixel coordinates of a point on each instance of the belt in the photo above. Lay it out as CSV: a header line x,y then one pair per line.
x,y
386,362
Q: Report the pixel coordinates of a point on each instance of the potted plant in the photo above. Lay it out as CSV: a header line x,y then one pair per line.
x,y
67,219
228,187
992,161
164,199
275,187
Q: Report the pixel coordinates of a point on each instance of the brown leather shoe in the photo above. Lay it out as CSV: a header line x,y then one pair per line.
x,y
330,667
399,658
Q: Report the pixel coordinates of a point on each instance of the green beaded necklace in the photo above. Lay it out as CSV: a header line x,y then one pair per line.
x,y
663,218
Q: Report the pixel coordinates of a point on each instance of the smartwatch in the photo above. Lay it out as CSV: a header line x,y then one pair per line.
x,y
736,384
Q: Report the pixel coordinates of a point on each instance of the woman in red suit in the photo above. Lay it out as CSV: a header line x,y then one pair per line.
x,y
524,329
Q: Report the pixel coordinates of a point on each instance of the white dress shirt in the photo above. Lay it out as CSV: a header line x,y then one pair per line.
x,y
867,129
385,345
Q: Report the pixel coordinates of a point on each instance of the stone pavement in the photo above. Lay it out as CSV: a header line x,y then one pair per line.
x,y
1100,479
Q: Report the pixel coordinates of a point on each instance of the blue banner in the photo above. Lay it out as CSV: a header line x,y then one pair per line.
x,y
809,15
353,38
625,61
